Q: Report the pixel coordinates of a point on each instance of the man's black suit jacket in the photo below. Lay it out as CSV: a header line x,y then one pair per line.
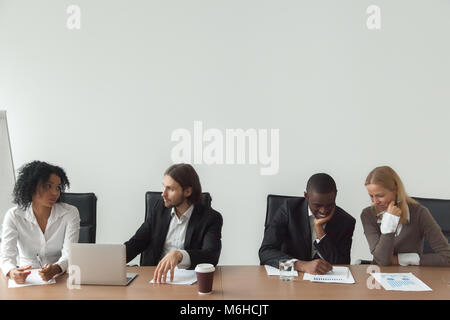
x,y
288,235
202,242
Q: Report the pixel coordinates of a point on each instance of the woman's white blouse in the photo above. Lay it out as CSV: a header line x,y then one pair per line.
x,y
22,237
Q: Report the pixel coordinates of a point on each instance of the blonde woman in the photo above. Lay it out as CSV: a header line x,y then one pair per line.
x,y
396,225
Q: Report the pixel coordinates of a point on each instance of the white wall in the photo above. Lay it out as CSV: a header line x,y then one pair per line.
x,y
103,101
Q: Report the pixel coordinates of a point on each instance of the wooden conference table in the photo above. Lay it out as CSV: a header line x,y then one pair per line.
x,y
240,283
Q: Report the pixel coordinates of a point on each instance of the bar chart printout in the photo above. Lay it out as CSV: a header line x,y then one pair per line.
x,y
400,282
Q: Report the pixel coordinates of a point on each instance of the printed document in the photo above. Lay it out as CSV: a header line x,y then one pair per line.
x,y
181,276
400,282
337,275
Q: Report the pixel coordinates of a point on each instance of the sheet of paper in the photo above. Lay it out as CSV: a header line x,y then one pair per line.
x,y
337,275
33,279
271,271
400,282
336,272
181,276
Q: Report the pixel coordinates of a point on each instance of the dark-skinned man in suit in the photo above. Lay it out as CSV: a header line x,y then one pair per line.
x,y
312,231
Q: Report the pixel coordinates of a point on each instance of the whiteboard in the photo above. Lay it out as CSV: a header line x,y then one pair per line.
x,y
7,178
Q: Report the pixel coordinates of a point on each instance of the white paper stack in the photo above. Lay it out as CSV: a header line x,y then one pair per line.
x,y
33,279
337,275
181,276
400,282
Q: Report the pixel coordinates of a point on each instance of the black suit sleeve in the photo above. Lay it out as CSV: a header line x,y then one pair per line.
x,y
274,236
336,250
139,242
211,243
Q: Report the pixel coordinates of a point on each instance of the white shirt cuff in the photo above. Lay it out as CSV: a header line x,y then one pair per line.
x,y
389,223
186,261
408,259
7,267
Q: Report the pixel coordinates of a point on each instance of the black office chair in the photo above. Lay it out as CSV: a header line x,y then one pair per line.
x,y
440,210
152,197
274,202
86,204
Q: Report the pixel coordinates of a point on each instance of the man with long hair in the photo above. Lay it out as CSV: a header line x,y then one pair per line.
x,y
179,230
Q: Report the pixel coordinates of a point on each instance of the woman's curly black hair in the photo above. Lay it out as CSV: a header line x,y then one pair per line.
x,y
30,176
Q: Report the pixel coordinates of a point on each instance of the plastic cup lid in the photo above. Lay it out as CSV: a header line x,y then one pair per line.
x,y
204,268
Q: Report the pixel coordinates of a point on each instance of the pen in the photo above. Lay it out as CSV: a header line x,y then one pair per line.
x,y
320,256
39,260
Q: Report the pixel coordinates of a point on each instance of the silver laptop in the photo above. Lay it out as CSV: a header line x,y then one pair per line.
x,y
101,264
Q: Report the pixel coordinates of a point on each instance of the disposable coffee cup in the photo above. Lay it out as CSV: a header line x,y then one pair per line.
x,y
205,276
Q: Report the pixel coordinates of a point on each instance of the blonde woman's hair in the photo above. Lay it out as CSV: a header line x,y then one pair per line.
x,y
387,178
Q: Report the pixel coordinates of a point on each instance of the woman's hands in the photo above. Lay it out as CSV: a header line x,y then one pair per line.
x,y
19,275
394,210
49,271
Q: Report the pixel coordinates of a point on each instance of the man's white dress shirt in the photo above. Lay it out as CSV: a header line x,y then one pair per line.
x,y
176,236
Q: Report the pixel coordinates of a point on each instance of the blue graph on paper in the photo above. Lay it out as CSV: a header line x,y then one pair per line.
x,y
401,282
328,279
397,283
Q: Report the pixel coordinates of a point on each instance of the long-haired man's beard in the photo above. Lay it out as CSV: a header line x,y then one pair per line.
x,y
177,202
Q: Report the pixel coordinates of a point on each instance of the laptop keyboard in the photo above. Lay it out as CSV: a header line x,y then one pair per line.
x,y
130,276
